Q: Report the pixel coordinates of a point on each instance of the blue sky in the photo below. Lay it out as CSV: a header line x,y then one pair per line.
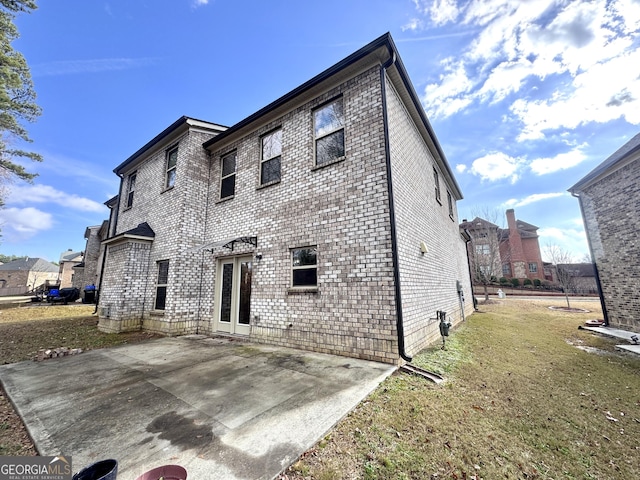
x,y
525,97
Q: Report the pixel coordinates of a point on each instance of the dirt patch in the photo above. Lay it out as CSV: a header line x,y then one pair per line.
x,y
569,309
26,329
14,439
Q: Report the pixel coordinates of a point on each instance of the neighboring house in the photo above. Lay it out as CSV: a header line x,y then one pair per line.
x,y
325,221
26,275
513,252
483,250
68,260
610,202
88,272
581,277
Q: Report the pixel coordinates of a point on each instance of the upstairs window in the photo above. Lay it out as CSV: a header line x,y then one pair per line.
x,y
328,127
172,161
271,155
304,270
161,284
483,249
131,188
450,203
533,267
228,176
436,179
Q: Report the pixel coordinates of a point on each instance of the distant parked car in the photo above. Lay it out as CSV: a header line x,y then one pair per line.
x,y
63,295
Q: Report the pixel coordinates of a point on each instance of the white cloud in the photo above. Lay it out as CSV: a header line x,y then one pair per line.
x,y
23,223
562,161
536,197
413,25
443,11
96,65
573,240
199,3
496,166
607,91
461,168
580,51
629,12
444,95
30,194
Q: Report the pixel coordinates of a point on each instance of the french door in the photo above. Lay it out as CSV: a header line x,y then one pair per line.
x,y
233,295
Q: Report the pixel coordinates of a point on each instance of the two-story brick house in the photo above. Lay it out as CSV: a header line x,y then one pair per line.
x,y
609,198
88,271
325,221
512,252
520,249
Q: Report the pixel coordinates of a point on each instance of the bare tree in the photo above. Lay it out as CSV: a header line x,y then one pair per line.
x,y
586,258
484,248
561,259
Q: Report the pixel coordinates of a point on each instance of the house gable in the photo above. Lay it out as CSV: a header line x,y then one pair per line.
x,y
330,223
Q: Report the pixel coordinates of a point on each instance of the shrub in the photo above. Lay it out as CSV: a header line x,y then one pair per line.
x,y
515,282
527,281
503,281
537,282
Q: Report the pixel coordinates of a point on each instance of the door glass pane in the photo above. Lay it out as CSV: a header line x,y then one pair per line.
x,y
244,312
227,291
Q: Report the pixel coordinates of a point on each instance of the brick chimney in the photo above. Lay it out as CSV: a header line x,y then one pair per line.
x,y
516,252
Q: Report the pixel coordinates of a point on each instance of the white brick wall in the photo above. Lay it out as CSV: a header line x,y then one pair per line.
x,y
342,208
428,282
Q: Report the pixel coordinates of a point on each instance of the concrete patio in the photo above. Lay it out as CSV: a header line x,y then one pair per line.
x,y
220,408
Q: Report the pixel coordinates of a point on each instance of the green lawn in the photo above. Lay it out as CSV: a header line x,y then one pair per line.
x,y
521,401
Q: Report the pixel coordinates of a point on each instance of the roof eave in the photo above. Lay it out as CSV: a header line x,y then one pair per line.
x,y
619,157
126,237
429,133
371,48
180,126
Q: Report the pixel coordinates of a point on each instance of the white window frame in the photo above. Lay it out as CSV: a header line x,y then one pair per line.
x,y
295,267
436,179
535,267
483,249
160,284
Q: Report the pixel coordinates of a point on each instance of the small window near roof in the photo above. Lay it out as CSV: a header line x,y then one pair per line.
x,y
131,188
450,203
161,284
228,177
328,127
304,266
172,161
436,179
271,155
